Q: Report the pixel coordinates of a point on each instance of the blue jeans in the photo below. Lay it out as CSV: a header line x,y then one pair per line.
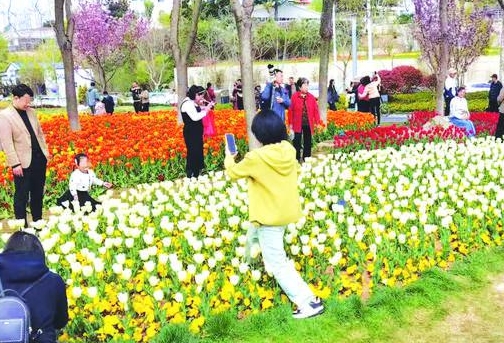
x,y
467,125
271,241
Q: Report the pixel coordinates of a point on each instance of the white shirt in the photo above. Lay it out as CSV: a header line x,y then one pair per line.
x,y
458,108
80,181
189,107
451,85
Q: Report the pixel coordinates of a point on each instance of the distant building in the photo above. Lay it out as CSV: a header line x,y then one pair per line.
x,y
11,75
29,39
55,79
287,11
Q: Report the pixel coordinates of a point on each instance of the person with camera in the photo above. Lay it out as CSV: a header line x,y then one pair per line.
x,y
275,96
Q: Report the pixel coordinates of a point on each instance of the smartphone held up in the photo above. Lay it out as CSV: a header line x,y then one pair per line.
x,y
231,143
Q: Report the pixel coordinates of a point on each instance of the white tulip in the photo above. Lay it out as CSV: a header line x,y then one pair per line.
x,y
158,295
87,271
76,292
178,297
92,292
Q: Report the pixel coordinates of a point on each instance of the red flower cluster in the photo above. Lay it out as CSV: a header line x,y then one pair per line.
x,y
380,137
484,122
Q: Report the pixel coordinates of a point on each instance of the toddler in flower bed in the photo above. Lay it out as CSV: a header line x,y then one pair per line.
x,y
81,181
272,171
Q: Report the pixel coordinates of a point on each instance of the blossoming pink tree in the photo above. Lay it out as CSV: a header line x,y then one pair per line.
x,y
450,34
104,41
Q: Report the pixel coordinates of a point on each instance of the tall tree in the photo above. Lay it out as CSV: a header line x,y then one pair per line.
x,y
450,33
104,41
179,50
501,64
242,11
326,34
158,64
64,25
473,26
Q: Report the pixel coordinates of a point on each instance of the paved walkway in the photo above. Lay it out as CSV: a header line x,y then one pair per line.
x,y
396,118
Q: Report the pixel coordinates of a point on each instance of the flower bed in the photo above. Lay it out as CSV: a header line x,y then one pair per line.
x,y
128,149
172,252
385,136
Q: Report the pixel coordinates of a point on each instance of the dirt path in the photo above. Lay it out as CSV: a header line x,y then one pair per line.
x,y
474,317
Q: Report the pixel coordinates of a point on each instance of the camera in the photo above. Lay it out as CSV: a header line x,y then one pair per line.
x,y
271,69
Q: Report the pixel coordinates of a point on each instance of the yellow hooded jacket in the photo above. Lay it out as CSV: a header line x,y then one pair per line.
x,y
272,171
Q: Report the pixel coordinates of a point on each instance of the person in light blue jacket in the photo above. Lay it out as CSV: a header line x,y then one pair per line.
x,y
275,96
92,97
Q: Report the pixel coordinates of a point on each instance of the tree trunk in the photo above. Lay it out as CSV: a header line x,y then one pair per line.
x,y
501,64
64,37
180,53
326,34
242,11
444,59
182,82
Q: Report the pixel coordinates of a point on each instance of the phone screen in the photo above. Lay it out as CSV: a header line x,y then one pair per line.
x,y
231,144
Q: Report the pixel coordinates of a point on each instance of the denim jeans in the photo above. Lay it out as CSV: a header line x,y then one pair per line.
x,y
467,125
271,241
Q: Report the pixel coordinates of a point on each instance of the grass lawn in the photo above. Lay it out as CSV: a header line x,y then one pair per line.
x,y
118,109
462,305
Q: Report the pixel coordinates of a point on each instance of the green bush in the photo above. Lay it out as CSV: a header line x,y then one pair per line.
x,y
478,105
81,94
342,103
400,107
425,101
412,97
228,106
483,95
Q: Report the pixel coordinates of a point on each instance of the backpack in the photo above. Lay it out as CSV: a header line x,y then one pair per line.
x,y
15,325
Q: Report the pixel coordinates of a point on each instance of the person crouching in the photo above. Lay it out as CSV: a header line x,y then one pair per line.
x,y
81,181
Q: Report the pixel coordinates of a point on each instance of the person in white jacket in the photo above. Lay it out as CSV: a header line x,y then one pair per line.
x,y
81,181
459,113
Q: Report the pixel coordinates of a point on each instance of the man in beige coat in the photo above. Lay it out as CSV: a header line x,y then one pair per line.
x,y
23,142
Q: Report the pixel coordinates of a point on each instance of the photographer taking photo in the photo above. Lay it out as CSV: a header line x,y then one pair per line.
x,y
275,96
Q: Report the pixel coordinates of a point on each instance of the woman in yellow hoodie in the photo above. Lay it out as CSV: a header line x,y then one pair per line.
x,y
272,171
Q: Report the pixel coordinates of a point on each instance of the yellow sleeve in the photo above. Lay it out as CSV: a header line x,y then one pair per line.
x,y
245,168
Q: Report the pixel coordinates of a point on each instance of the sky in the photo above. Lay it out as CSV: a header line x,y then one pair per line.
x,y
25,13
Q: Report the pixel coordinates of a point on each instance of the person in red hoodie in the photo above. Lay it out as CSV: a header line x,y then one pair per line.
x,y
303,116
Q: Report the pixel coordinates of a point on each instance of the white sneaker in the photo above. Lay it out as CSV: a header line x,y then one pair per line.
x,y
315,308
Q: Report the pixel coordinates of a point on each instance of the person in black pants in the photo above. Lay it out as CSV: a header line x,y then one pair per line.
x,y
303,116
135,94
500,124
495,88
24,145
192,115
108,101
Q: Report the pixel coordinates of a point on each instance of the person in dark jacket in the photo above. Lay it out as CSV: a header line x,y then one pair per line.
x,y
495,88
22,263
108,101
332,95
